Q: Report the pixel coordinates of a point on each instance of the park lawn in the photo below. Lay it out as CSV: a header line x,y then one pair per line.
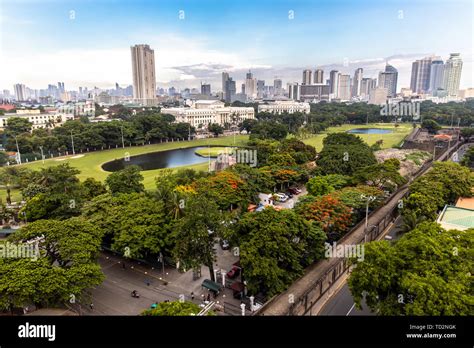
x,y
389,139
213,151
90,164
14,193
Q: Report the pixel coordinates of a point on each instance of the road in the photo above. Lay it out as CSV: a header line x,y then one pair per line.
x,y
342,303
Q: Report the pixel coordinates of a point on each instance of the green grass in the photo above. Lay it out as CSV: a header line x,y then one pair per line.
x,y
90,163
389,140
213,151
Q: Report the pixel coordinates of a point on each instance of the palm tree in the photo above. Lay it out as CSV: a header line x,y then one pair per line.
x,y
410,221
9,178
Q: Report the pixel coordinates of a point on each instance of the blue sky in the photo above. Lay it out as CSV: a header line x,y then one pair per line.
x,y
44,42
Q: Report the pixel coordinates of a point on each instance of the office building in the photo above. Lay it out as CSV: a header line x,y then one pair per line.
x,y
318,76
367,85
143,70
205,88
452,74
388,79
229,90
294,91
344,87
225,77
420,75
250,86
277,87
260,89
334,82
357,82
314,93
378,96
307,77
437,87
20,92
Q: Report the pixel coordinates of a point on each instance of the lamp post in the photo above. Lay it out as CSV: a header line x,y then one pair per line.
x,y
42,155
121,131
18,151
72,142
368,199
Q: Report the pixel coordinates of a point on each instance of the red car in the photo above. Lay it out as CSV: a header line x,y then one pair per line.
x,y
234,272
294,190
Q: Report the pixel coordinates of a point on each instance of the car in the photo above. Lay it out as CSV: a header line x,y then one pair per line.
x,y
281,197
234,272
294,190
289,194
224,244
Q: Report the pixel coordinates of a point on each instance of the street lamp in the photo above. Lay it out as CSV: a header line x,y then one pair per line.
x,y
18,151
368,199
72,142
42,155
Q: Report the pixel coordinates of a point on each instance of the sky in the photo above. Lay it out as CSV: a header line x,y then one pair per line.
x,y
87,43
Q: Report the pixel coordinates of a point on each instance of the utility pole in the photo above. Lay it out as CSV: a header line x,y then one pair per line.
x,y
121,131
18,151
42,156
72,142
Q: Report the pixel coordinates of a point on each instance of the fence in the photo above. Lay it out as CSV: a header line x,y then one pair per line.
x,y
305,302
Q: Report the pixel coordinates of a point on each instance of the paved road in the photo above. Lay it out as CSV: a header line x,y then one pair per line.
x,y
342,303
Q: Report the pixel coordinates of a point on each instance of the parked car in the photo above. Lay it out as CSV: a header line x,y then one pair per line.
x,y
234,272
289,194
224,244
281,197
294,190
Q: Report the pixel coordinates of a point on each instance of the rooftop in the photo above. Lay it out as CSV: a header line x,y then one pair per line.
x,y
455,218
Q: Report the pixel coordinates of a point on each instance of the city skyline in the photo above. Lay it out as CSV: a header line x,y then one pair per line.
x,y
195,48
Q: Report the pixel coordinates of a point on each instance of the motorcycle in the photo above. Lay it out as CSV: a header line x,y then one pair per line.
x,y
135,294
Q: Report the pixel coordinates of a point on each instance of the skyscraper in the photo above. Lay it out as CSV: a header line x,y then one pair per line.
x,y
437,86
225,77
334,82
452,74
367,85
229,90
20,91
307,77
420,75
250,85
143,69
388,79
205,88
277,87
357,82
344,87
260,88
318,76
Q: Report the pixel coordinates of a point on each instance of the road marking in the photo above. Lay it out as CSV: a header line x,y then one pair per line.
x,y
350,310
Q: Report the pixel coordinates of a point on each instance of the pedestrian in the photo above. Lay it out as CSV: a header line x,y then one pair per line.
x,y
192,295
91,306
123,265
147,282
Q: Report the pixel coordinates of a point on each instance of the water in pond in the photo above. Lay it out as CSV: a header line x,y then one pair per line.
x,y
369,131
158,160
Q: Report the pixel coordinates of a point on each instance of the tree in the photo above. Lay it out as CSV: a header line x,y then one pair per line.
x,y
174,308
383,175
91,188
66,264
127,180
468,158
215,129
196,232
319,186
275,246
17,125
431,126
332,215
269,130
133,224
11,177
426,272
344,153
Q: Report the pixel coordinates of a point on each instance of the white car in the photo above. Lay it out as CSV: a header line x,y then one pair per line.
x,y
281,197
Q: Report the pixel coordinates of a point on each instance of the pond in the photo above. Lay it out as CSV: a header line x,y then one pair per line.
x,y
158,160
369,131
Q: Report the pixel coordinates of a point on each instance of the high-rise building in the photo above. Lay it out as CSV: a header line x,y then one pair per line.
x,y
452,74
367,85
437,87
344,87
319,76
307,77
20,91
225,77
277,87
388,79
260,89
334,82
206,88
357,82
143,69
61,87
294,91
250,85
378,96
229,90
420,75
